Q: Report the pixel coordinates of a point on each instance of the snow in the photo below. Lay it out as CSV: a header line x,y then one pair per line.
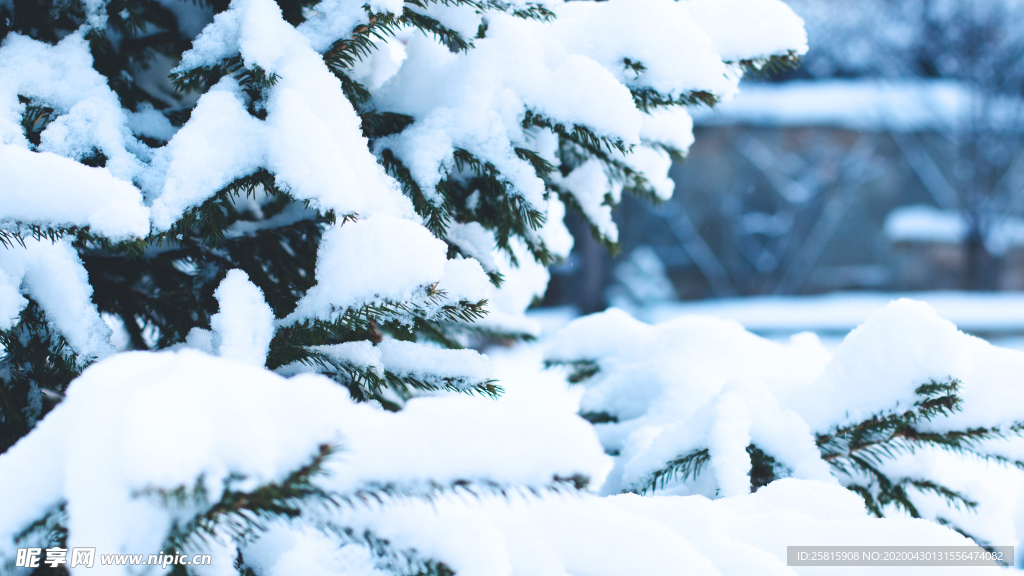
x,y
664,382
246,421
875,105
558,70
522,286
310,139
909,344
922,223
221,142
474,241
769,27
369,261
591,187
437,366
148,121
385,59
434,364
749,534
672,127
487,91
330,20
464,280
48,190
244,326
728,438
628,534
362,353
53,276
595,29
553,233
697,382
307,551
62,77
839,312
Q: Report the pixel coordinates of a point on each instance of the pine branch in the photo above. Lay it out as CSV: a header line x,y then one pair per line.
x,y
253,80
682,469
579,370
380,124
580,135
599,417
365,384
36,367
47,531
433,317
237,514
15,234
436,217
34,119
571,203
648,99
499,207
861,450
211,219
405,562
884,436
764,469
766,67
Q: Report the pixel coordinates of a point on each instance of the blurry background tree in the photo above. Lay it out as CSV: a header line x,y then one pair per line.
x,y
980,47
892,159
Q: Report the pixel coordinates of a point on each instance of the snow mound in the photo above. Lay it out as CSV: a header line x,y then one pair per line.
x,y
142,421
696,383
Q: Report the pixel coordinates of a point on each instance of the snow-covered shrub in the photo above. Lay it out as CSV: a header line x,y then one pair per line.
x,y
698,405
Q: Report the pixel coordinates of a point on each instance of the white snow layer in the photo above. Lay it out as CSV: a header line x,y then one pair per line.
x,y
840,312
244,326
310,139
49,190
120,430
769,27
120,434
629,534
875,105
437,366
369,261
699,382
409,358
43,188
52,274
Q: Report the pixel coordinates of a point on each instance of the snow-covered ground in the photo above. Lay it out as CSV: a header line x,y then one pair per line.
x,y
998,316
903,106
995,316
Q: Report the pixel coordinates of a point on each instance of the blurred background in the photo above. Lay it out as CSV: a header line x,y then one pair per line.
x,y
890,163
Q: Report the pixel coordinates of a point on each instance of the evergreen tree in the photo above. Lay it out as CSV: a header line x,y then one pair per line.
x,y
234,212
351,190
